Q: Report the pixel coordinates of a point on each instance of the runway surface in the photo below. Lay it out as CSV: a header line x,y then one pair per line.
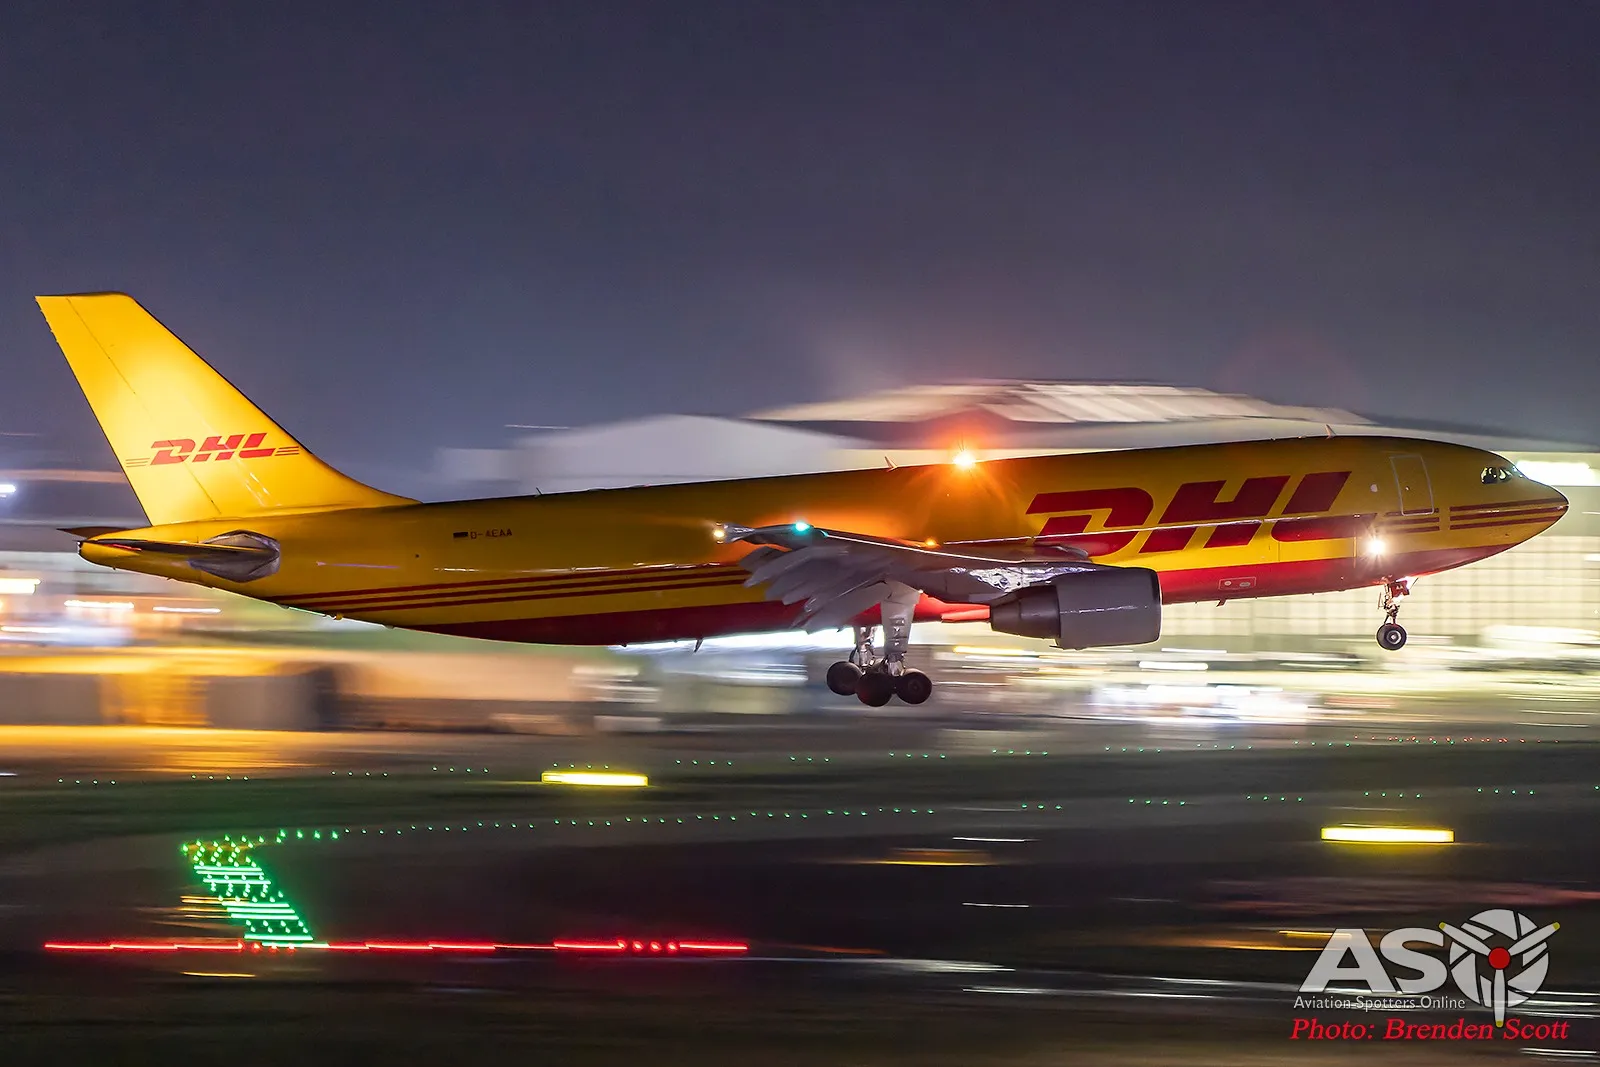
x,y
789,896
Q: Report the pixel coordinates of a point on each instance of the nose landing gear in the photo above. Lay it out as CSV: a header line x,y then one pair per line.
x,y
1391,635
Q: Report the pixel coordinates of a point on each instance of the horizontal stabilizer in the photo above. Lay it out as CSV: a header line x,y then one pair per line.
x,y
238,557
83,533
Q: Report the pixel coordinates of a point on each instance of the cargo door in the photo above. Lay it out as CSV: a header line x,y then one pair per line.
x,y
1411,476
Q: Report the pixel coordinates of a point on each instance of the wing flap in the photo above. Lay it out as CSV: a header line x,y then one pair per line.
x,y
840,610
840,574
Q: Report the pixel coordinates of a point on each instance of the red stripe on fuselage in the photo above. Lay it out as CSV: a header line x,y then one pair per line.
x,y
576,579
1544,500
544,593
1546,517
1513,513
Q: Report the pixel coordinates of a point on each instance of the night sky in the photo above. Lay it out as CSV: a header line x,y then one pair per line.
x,y
401,226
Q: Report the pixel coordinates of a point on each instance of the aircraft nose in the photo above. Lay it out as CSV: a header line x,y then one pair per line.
x,y
1557,507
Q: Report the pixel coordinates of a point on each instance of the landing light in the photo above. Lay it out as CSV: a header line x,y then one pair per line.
x,y
1376,547
964,459
1388,835
601,778
719,533
801,526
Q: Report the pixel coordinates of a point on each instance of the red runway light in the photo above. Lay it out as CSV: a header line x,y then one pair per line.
x,y
621,945
592,946
144,946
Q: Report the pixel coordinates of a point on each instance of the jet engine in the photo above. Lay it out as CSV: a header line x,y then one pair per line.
x,y
1089,609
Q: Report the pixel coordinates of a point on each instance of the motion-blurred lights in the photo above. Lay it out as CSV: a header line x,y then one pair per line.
x,y
609,779
1172,665
187,611
101,605
7,488
1557,473
985,650
18,586
1388,835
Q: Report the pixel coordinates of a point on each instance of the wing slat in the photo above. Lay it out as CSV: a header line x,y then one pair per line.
x,y
839,574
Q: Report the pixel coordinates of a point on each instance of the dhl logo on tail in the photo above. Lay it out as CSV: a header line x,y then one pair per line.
x,y
216,447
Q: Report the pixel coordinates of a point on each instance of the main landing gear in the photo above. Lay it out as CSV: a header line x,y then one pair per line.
x,y
874,680
1391,635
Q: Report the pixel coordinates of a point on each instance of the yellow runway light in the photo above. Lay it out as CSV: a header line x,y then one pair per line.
x,y
1388,835
600,778
933,857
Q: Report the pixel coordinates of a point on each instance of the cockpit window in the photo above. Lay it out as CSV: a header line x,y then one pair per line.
x,y
1496,475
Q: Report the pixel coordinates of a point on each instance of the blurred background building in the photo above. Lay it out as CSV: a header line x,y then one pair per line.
x,y
1552,582
83,644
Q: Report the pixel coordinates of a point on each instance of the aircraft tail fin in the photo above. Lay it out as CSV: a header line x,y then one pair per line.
x,y
191,445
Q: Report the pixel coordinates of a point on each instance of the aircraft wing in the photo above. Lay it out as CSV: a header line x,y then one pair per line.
x,y
839,574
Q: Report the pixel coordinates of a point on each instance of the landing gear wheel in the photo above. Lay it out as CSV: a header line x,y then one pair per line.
x,y
875,689
843,677
1392,636
913,687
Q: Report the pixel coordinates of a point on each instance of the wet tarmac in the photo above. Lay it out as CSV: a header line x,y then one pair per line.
x,y
779,896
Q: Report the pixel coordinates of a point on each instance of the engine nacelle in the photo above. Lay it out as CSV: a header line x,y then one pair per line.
x,y
1089,609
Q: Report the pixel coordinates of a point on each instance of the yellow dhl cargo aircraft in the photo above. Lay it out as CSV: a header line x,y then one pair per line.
x,y
1081,549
